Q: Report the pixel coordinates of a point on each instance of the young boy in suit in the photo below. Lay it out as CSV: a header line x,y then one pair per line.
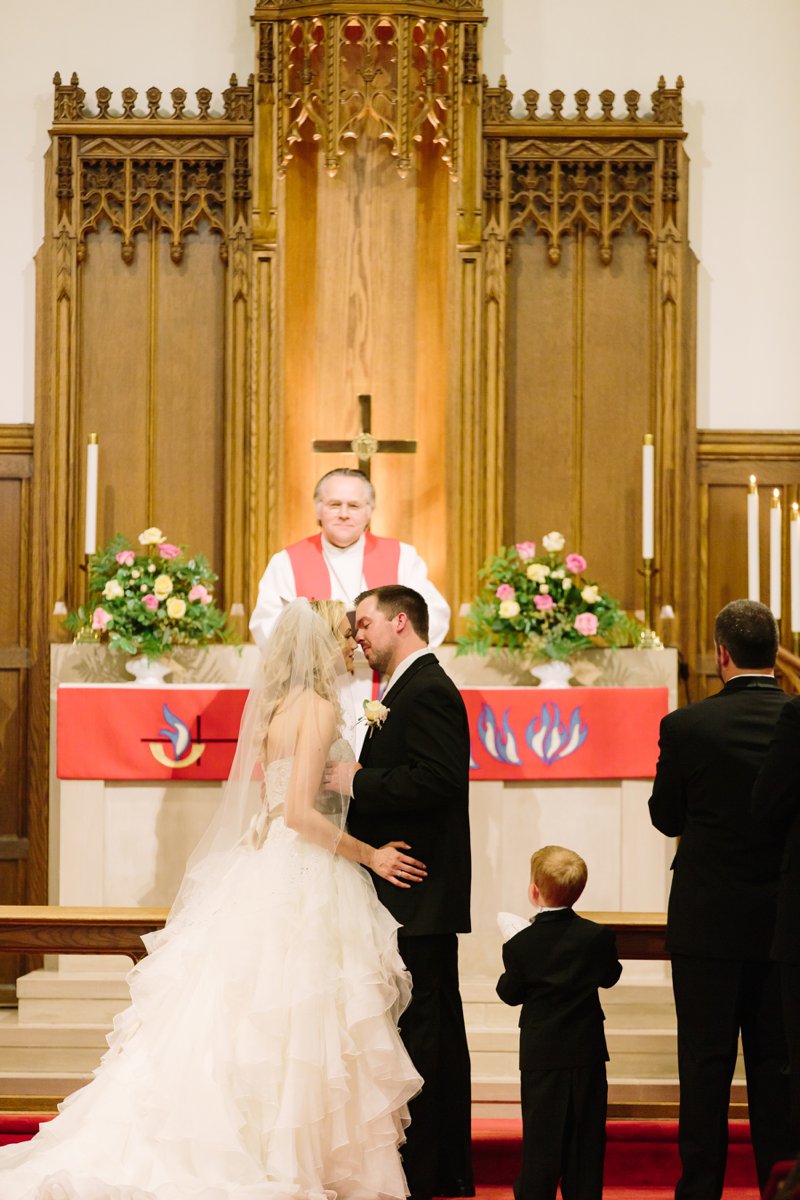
x,y
553,968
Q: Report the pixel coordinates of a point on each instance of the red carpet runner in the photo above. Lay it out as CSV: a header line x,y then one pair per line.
x,y
641,1157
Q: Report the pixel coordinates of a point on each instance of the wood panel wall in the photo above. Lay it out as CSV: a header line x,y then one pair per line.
x,y
16,595
725,461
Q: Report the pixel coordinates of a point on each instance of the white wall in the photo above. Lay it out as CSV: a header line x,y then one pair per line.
x,y
166,43
738,60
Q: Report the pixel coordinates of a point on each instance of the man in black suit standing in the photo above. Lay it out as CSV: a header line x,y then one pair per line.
x,y
776,809
722,905
411,786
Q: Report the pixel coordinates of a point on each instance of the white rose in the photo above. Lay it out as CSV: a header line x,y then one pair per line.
x,y
537,572
591,593
135,574
554,541
567,584
508,609
151,537
544,588
113,590
558,574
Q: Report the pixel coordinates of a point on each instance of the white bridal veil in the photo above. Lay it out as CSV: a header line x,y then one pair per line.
x,y
291,722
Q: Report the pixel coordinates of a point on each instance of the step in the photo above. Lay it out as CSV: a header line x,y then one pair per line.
x,y
71,998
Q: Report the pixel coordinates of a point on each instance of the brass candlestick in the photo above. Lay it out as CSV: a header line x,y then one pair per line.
x,y
649,639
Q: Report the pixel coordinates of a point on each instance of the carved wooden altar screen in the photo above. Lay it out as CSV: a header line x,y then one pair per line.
x,y
589,299
364,214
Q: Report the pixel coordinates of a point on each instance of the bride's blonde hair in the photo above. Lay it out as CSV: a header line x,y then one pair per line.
x,y
320,639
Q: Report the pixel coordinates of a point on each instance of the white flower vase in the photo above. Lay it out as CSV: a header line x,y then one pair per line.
x,y
552,673
148,672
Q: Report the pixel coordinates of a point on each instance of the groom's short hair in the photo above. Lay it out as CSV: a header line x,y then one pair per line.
x,y
393,599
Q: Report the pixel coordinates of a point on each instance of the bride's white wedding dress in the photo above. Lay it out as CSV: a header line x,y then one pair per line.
x,y
259,1058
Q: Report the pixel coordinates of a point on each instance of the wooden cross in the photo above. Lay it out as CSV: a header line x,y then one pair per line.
x,y
364,445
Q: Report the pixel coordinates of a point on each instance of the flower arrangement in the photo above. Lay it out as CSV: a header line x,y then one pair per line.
x,y
149,600
540,606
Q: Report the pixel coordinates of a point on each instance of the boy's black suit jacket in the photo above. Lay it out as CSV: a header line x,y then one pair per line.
x,y
725,870
776,809
414,787
553,969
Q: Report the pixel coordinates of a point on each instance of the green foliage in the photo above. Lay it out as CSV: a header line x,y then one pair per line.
x,y
152,601
518,621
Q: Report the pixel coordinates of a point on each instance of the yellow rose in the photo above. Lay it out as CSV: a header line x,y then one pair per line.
x,y
508,609
591,593
151,537
176,607
113,590
162,586
538,572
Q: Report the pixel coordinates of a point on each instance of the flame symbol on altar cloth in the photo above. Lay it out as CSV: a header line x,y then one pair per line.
x,y
178,733
184,753
499,743
548,737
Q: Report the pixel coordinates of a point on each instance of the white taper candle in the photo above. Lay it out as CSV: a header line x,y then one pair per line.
x,y
753,568
90,528
648,497
794,565
775,549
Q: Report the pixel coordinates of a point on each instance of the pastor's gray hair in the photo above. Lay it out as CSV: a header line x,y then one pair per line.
x,y
346,473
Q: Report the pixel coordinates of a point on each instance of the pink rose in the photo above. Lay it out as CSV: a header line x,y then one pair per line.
x,y
586,624
167,550
125,558
526,550
543,602
100,619
150,601
505,592
201,593
575,563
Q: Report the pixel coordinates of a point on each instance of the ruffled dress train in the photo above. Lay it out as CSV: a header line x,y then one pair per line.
x,y
259,1058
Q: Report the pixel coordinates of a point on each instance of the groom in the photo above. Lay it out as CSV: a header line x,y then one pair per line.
x,y
411,786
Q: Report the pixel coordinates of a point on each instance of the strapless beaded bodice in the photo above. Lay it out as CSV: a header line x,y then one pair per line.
x,y
277,775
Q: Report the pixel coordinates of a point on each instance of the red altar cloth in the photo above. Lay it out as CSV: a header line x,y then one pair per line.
x,y
189,733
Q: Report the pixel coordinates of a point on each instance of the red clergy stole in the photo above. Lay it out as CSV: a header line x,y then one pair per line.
x,y
312,578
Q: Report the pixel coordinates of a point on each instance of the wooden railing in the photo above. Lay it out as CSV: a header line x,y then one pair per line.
x,y
50,929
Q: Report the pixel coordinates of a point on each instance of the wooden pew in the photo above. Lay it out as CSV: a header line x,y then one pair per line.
x,y
50,929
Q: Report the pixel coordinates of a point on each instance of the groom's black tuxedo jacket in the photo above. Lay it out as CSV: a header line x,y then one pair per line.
x,y
725,870
414,787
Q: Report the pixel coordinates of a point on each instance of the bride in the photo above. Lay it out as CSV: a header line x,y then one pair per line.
x,y
259,1058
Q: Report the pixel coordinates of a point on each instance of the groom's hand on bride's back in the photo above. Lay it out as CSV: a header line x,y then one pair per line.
x,y
398,868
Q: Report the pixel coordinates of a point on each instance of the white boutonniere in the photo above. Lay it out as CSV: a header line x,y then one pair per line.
x,y
375,714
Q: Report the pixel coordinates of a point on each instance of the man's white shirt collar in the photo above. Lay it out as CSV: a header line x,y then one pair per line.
x,y
340,551
403,666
